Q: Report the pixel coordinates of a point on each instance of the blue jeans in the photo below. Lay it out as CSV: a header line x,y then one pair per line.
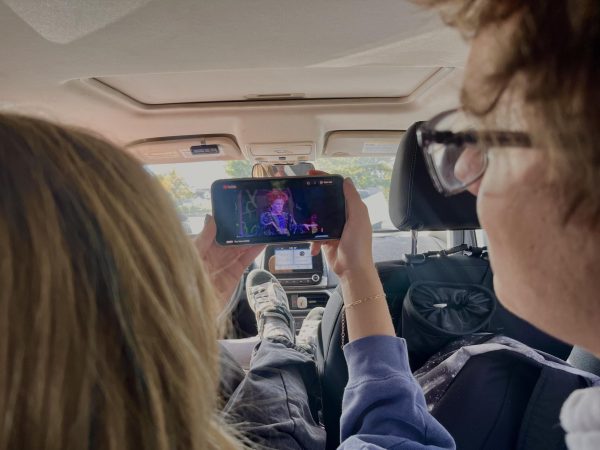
x,y
276,403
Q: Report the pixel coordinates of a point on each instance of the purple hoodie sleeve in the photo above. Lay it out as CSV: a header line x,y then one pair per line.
x,y
383,405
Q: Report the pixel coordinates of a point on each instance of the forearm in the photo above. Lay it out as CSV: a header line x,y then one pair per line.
x,y
383,405
371,317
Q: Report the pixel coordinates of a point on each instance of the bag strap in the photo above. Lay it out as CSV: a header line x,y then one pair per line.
x,y
540,428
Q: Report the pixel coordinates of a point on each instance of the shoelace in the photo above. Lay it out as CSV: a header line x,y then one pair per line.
x,y
259,292
261,295
308,328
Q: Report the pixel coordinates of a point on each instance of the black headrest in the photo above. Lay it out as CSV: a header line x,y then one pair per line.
x,y
415,204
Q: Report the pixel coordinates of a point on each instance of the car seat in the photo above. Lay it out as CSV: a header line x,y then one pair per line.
x,y
416,205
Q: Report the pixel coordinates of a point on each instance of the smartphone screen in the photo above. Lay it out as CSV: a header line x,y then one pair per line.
x,y
265,210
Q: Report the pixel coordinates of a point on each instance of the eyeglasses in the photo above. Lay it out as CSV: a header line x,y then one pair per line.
x,y
456,149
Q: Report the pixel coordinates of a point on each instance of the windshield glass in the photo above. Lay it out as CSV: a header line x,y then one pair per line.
x,y
372,177
189,185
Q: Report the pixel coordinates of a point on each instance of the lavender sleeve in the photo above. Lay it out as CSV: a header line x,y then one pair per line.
x,y
383,405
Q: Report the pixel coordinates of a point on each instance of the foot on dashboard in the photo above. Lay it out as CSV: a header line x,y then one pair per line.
x,y
269,302
307,337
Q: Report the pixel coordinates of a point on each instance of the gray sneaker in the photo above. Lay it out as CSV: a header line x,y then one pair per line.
x,y
269,302
307,337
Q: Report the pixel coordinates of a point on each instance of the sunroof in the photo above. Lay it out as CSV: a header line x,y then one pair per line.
x,y
268,84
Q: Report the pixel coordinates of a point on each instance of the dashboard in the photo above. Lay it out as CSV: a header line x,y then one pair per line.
x,y
293,265
305,278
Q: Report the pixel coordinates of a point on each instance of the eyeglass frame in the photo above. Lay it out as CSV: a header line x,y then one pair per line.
x,y
428,135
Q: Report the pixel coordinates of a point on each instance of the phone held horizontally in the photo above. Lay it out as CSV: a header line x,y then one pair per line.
x,y
270,210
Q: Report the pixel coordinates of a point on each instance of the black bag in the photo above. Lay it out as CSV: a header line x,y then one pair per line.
x,y
499,394
434,314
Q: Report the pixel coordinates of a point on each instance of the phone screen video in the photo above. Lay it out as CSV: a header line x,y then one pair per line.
x,y
264,210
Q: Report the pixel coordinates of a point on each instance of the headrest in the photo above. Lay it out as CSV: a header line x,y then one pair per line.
x,y
415,204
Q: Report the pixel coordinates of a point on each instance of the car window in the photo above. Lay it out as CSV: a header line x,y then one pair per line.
x,y
372,177
481,237
189,186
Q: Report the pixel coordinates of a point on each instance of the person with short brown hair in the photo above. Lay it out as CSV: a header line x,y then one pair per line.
x,y
530,110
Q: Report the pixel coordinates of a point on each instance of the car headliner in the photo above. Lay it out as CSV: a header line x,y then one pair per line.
x,y
260,71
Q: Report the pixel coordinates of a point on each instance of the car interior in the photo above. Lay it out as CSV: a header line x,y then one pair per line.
x,y
200,91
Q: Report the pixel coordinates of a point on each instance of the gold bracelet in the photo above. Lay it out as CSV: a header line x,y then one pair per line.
x,y
364,300
351,305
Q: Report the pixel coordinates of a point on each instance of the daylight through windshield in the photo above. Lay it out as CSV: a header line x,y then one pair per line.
x,y
189,185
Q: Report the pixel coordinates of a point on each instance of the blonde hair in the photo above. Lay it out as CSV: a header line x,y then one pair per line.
x,y
107,319
552,59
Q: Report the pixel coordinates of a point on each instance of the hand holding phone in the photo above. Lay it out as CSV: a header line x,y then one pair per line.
x,y
224,265
351,258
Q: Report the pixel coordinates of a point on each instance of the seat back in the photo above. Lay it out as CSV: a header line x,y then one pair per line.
x,y
415,204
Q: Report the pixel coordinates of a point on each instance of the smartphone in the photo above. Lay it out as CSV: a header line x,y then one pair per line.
x,y
267,210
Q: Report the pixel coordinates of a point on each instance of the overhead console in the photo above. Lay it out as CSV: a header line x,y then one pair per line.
x,y
281,152
293,265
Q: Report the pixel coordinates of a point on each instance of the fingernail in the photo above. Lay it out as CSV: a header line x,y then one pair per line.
x,y
207,218
348,179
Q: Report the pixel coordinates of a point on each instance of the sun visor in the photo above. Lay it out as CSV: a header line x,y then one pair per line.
x,y
362,143
178,149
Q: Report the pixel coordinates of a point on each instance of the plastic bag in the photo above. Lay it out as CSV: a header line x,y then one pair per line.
x,y
434,314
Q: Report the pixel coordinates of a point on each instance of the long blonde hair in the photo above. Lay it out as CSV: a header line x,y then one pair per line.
x,y
107,319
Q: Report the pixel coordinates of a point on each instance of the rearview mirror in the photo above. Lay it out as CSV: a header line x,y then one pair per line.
x,y
265,170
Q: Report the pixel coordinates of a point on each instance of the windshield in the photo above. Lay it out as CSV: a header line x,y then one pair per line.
x,y
372,177
189,185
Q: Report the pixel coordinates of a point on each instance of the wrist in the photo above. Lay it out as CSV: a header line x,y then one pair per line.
x,y
357,276
366,311
360,284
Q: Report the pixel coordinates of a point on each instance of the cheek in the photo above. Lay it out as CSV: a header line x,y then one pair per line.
x,y
511,215
469,165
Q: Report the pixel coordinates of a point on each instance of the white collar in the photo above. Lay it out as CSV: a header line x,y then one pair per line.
x,y
580,418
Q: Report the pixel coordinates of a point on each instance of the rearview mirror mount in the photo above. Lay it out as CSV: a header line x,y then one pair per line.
x,y
267,170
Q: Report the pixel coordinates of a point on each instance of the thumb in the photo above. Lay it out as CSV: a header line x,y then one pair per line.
x,y
207,235
353,200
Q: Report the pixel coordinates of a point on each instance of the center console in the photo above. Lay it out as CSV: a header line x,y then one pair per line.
x,y
304,277
293,265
